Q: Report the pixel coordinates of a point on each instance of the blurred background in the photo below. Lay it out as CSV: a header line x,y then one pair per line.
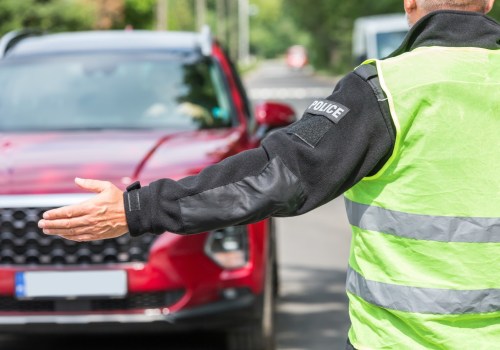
x,y
250,29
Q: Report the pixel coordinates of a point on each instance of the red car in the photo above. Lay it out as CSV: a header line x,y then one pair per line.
x,y
125,106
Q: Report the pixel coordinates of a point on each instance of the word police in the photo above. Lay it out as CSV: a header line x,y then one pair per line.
x,y
332,110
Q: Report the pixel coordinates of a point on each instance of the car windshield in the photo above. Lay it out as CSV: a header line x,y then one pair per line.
x,y
107,91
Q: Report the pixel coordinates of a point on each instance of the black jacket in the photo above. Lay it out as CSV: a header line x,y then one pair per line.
x,y
307,164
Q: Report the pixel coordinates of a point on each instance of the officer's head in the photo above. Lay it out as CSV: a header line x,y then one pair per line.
x,y
416,9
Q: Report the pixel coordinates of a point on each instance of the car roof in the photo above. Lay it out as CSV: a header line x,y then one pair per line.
x,y
106,41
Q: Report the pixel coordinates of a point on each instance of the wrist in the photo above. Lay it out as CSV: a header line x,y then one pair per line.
x,y
137,211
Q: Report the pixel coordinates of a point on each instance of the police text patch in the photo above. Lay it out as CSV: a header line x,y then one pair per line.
x,y
332,110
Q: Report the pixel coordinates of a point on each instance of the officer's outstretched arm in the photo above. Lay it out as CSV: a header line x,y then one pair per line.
x,y
338,141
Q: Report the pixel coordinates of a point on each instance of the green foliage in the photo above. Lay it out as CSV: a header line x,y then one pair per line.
x,y
495,12
181,15
53,15
324,26
271,32
330,24
139,14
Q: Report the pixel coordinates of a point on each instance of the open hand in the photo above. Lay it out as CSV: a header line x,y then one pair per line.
x,y
100,217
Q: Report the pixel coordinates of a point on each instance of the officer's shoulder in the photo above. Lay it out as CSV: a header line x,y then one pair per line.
x,y
366,71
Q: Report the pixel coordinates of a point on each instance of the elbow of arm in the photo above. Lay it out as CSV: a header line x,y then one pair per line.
x,y
275,191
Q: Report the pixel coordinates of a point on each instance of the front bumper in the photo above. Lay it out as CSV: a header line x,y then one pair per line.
x,y
216,316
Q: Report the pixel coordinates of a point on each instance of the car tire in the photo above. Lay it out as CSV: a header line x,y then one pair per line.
x,y
261,334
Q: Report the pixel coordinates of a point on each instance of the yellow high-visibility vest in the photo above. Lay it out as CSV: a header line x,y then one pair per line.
x,y
424,268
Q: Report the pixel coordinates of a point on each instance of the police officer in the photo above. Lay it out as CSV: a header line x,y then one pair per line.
x,y
413,143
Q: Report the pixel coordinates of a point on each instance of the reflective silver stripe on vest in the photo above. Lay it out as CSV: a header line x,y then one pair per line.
x,y
423,300
424,227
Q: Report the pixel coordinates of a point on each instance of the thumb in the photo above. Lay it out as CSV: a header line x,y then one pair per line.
x,y
96,186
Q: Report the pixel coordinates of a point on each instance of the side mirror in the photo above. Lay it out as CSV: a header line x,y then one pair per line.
x,y
273,115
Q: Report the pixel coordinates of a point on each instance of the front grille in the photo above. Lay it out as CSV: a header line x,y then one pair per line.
x,y
23,243
137,301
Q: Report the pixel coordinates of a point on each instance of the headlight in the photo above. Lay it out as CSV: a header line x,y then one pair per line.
x,y
228,247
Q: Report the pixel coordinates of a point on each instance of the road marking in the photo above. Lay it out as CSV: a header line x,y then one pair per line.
x,y
287,93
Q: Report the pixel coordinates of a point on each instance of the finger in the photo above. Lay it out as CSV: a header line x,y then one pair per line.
x,y
63,223
69,232
70,211
96,186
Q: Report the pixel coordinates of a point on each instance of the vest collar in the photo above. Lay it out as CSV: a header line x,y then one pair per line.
x,y
452,29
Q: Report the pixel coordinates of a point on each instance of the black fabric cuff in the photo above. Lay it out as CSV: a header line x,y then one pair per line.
x,y
137,209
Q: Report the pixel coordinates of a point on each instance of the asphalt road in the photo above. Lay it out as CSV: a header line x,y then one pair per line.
x,y
312,251
313,248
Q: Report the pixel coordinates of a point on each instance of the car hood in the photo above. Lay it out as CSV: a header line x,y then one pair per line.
x,y
42,163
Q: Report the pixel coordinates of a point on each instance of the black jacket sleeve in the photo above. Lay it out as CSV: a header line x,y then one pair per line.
x,y
296,169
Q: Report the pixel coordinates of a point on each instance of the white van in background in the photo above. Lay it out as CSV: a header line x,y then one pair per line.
x,y
378,36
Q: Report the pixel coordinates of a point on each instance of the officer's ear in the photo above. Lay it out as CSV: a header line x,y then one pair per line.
x,y
411,9
410,6
489,6
415,9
